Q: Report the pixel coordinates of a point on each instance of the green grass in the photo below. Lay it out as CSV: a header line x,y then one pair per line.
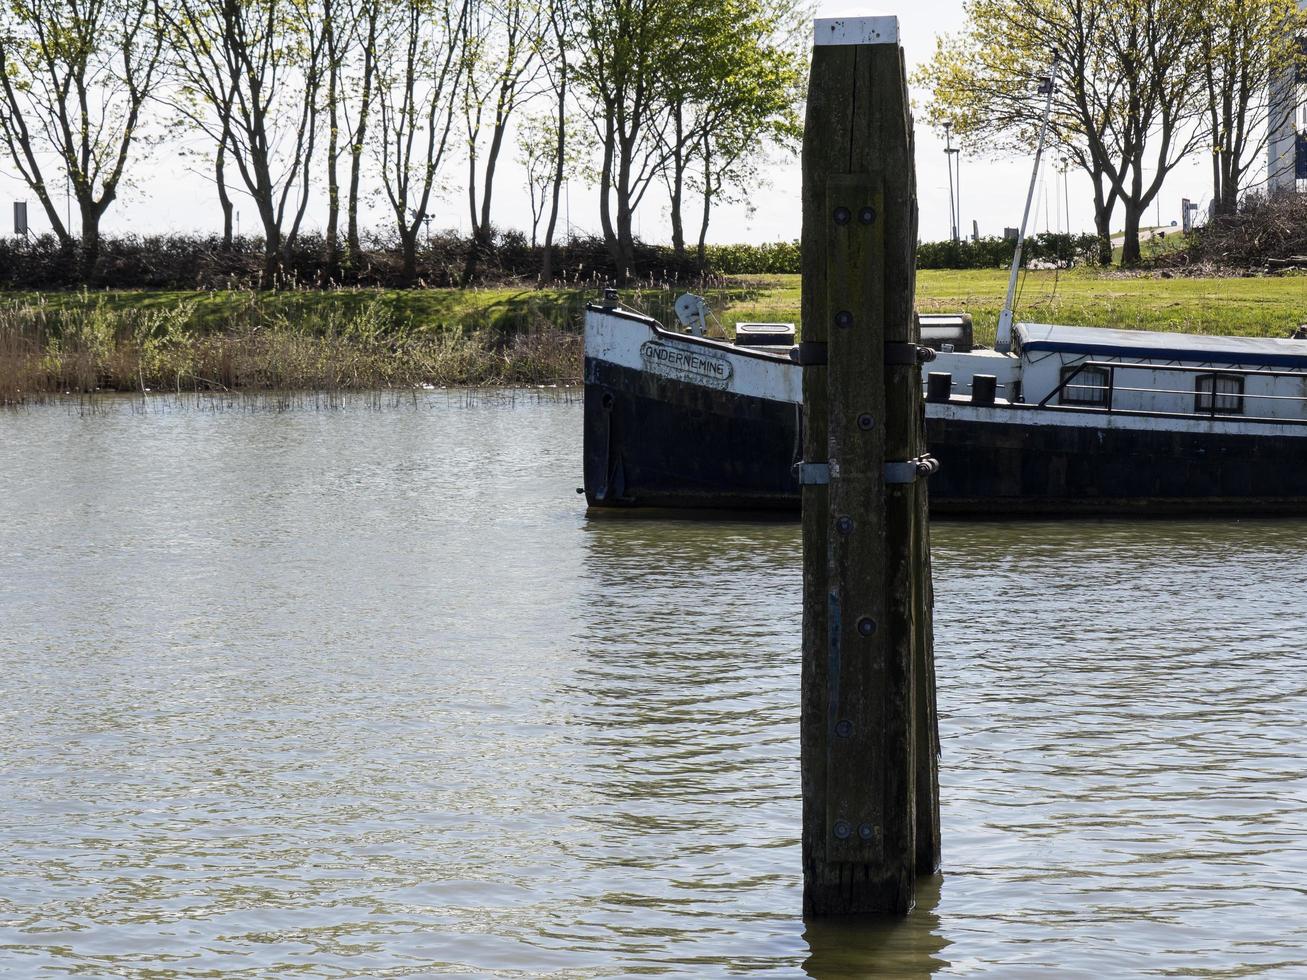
x,y
356,338
1268,306
399,312
422,310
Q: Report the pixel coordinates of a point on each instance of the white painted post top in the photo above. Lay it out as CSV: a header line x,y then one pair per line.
x,y
859,29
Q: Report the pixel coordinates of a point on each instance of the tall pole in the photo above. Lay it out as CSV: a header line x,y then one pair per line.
x,y
868,739
1003,343
957,156
948,160
1066,194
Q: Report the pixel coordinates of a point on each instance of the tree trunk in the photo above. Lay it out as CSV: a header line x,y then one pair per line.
x,y
330,245
625,216
330,252
605,194
353,250
560,148
90,244
354,253
272,266
408,242
1218,195
1130,253
678,185
701,250
625,239
1229,183
1103,226
224,199
488,184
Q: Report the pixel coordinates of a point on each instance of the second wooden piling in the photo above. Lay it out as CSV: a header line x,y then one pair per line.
x,y
868,730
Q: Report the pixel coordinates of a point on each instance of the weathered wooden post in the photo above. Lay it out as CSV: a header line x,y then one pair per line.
x,y
869,742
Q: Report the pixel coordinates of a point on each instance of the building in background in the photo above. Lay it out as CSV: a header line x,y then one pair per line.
x,y
1286,151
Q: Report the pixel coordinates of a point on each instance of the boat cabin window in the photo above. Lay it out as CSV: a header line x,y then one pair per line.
x,y
1084,385
1220,394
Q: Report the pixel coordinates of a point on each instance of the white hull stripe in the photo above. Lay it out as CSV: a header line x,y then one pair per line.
x,y
631,344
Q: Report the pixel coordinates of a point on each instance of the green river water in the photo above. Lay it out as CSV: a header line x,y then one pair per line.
x,y
359,690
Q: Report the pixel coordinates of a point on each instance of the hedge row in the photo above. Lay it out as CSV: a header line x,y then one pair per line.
x,y
199,262
205,262
1052,248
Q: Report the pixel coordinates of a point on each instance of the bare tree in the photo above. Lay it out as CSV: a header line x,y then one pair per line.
x,y
419,68
627,50
502,44
335,44
556,61
1243,45
357,96
734,94
256,68
74,77
220,170
1126,96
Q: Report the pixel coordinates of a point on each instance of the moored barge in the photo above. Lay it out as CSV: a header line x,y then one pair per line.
x,y
1071,420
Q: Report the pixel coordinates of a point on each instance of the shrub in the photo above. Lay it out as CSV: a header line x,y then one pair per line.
x,y
189,262
992,253
1263,231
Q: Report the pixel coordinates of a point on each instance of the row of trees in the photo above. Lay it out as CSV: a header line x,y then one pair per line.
x,y
1140,86
282,97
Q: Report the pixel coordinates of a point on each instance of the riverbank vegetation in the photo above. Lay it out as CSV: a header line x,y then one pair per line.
x,y
188,262
355,339
311,111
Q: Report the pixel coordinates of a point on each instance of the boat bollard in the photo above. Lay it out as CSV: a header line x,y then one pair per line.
x,y
983,387
939,386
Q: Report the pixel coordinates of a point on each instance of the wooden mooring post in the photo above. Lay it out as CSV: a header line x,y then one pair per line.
x,y
869,734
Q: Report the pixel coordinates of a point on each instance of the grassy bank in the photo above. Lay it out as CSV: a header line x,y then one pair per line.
x,y
359,338
1255,307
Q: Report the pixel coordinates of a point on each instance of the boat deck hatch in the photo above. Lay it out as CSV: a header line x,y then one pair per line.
x,y
764,335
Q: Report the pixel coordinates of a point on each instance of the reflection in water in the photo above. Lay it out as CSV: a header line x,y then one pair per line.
x,y
863,947
365,693
685,697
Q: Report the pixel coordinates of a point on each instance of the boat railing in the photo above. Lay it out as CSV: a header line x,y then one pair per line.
x,y
1214,396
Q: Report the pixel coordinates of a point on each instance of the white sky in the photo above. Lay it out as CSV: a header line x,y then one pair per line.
x,y
169,195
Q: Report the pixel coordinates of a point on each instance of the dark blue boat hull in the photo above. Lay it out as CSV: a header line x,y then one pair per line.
x,y
653,441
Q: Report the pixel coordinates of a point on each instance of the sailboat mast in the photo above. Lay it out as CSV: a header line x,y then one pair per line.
x,y
1003,344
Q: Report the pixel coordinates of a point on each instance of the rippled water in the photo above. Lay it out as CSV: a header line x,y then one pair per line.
x,y
362,691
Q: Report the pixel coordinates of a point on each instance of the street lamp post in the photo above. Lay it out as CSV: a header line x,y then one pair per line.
x,y
948,159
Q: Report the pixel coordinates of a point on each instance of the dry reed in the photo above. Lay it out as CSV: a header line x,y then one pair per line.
x,y
92,347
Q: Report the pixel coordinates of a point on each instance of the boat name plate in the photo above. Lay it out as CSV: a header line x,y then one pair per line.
x,y
686,365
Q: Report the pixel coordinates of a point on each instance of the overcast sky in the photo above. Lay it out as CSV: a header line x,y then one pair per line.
x,y
169,195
